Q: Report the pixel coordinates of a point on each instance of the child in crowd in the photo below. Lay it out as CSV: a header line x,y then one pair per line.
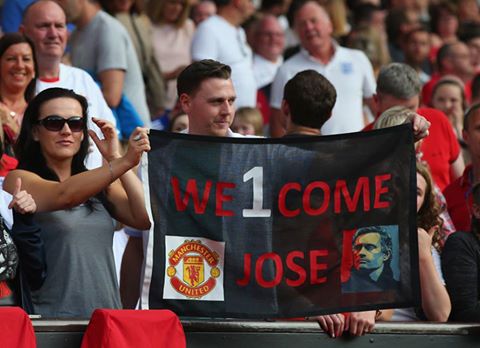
x,y
248,121
178,123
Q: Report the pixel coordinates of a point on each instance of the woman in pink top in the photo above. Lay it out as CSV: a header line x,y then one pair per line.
x,y
172,38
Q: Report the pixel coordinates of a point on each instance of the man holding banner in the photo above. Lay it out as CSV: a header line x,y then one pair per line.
x,y
262,228
308,100
206,94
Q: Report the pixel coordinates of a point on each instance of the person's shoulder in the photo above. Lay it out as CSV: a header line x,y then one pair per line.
x,y
439,123
295,59
461,240
74,75
458,183
351,53
452,188
107,22
432,114
293,64
72,70
211,23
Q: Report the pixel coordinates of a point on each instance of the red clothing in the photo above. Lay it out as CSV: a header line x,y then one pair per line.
x,y
16,328
459,200
7,164
263,105
131,328
427,89
440,149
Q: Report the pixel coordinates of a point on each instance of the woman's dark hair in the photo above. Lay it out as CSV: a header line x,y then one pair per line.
x,y
10,39
28,150
429,214
435,10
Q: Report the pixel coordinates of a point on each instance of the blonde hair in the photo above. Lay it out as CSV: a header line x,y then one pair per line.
x,y
252,116
156,8
394,116
337,11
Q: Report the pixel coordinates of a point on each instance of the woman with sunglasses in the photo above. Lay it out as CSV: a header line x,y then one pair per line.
x,y
75,206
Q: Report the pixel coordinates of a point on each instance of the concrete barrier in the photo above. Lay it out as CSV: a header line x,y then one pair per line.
x,y
282,334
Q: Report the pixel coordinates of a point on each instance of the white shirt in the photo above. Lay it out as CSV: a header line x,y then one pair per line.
x,y
82,83
5,199
265,70
408,314
349,71
230,134
217,39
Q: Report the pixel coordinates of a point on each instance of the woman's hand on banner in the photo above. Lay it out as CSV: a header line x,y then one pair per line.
x,y
420,127
332,324
360,323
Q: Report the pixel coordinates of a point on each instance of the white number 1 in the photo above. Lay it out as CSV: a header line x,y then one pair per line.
x,y
256,173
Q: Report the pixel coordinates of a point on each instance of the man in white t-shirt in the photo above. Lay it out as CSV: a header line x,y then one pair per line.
x,y
45,24
348,70
220,37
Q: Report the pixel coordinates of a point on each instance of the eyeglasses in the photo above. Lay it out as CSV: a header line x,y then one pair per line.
x,y
56,123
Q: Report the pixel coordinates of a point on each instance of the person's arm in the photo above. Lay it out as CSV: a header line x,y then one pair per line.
x,y
385,314
435,300
112,85
126,195
460,270
457,167
26,236
53,195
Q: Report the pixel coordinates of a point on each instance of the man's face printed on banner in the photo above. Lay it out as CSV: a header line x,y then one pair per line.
x,y
211,108
367,252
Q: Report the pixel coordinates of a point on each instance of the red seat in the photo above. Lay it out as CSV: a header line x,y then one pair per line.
x,y
16,328
134,328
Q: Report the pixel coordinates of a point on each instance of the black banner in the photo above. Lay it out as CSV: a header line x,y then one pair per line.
x,y
292,227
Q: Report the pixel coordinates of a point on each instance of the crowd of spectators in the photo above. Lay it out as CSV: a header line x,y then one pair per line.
x,y
289,68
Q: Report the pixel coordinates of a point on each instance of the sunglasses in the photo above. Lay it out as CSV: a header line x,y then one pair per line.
x,y
56,123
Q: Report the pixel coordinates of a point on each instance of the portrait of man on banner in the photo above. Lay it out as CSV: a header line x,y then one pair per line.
x,y
374,252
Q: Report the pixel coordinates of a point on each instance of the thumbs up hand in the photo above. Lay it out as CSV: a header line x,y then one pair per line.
x,y
22,201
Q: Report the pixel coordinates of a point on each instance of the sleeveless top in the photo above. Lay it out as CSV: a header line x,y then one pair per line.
x,y
80,266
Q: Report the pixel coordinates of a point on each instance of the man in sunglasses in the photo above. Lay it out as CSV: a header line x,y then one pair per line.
x,y
44,22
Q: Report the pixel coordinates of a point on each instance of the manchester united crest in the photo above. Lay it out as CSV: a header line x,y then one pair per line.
x,y
194,269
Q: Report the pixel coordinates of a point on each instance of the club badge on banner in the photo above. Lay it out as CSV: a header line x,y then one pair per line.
x,y
194,269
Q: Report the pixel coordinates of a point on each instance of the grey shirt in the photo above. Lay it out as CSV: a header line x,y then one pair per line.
x,y
104,44
80,266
